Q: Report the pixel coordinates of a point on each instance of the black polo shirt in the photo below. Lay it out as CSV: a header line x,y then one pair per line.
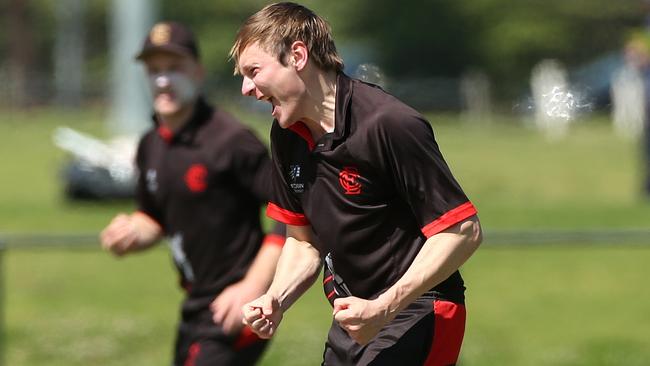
x,y
373,190
205,186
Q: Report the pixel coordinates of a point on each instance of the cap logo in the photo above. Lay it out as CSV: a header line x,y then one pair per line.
x,y
160,34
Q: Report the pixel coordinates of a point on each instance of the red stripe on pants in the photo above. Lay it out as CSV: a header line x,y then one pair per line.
x,y
246,338
448,333
192,354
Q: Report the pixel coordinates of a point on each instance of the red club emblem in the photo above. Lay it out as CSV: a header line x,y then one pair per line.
x,y
196,178
349,180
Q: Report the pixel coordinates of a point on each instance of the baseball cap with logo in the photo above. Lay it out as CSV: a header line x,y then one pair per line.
x,y
170,37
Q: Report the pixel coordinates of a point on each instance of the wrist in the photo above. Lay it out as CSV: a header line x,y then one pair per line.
x,y
389,304
278,296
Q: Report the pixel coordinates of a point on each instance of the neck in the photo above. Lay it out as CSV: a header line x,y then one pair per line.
x,y
174,121
321,95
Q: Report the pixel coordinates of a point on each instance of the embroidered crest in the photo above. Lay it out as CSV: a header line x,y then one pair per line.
x,y
196,178
349,180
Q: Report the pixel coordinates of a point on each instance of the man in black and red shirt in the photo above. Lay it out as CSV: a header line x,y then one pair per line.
x,y
203,179
361,184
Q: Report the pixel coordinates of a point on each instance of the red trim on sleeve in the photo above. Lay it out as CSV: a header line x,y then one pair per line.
x,y
288,217
274,239
448,219
329,296
301,129
448,333
328,279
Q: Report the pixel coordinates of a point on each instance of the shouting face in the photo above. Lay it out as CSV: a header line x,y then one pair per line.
x,y
266,78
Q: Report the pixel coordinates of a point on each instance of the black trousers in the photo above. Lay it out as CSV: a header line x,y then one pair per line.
x,y
202,346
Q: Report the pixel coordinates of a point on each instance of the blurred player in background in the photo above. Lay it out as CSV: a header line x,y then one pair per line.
x,y
361,184
203,178
636,54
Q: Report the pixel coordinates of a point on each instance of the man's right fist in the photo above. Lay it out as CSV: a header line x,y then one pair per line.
x,y
120,236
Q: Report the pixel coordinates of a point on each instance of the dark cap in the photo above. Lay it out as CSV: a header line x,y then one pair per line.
x,y
169,37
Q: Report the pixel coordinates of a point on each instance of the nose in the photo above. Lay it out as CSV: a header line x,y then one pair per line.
x,y
247,87
162,81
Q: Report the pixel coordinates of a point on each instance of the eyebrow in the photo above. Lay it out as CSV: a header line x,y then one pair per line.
x,y
245,69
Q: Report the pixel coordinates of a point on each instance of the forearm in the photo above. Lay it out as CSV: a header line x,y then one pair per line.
x,y
148,230
441,255
298,268
261,272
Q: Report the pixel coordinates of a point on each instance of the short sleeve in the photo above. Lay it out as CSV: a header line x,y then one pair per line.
x,y
251,164
284,205
409,155
277,235
144,201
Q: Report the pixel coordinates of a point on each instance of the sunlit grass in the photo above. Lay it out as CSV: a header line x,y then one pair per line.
x,y
542,305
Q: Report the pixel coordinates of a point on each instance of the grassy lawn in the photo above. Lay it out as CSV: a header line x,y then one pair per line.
x,y
543,305
557,305
527,306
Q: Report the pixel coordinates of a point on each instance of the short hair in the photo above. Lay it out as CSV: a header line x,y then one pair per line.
x,y
278,25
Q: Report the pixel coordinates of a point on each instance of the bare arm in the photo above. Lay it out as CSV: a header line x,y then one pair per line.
x,y
262,269
441,255
227,307
298,267
128,233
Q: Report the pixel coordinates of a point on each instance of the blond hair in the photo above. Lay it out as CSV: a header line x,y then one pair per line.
x,y
278,25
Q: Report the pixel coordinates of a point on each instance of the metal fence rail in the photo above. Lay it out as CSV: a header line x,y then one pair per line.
x,y
592,236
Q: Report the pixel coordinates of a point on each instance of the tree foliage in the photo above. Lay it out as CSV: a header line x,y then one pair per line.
x,y
407,38
503,38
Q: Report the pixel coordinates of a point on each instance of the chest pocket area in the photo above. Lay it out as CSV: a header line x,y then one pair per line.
x,y
351,183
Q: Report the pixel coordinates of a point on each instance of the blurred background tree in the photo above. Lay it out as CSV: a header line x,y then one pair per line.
x,y
407,39
505,39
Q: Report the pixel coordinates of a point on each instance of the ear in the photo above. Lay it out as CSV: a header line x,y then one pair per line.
x,y
298,55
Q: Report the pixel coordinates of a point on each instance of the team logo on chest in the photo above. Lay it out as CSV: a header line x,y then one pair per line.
x,y
196,178
296,181
152,180
349,180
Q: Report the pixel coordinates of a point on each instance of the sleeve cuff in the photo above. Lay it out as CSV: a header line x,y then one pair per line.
x,y
285,216
449,219
274,239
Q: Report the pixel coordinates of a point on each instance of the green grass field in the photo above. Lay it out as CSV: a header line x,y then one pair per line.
x,y
561,304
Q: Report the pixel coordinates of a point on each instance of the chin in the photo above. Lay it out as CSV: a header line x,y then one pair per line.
x,y
285,120
285,123
167,108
